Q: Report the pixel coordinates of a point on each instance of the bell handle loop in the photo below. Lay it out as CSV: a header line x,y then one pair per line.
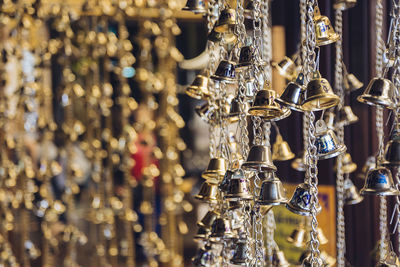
x,y
322,114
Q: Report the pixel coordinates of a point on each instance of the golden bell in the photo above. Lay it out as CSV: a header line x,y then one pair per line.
x,y
379,182
351,83
379,92
392,151
324,32
202,233
239,253
348,166
208,192
281,150
225,72
319,94
206,112
265,106
199,88
235,110
272,192
370,163
328,259
299,163
238,187
208,219
204,257
279,259
286,67
300,203
346,117
297,237
259,159
326,142
321,237
215,171
344,4
351,195
195,6
329,118
293,96
221,229
226,21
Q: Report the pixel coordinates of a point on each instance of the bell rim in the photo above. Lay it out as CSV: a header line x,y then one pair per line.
x,y
332,99
190,92
261,112
258,165
383,192
239,196
236,262
296,244
344,6
340,150
297,211
333,38
300,169
198,10
291,156
391,163
278,202
355,201
223,28
349,169
296,107
212,174
223,79
374,101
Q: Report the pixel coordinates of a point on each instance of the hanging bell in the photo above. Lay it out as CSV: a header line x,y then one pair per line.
x,y
324,32
286,67
319,94
202,233
239,253
379,92
235,109
238,187
208,192
214,36
199,88
329,118
348,166
264,105
279,259
225,72
281,150
344,4
379,182
370,163
297,237
392,151
195,6
299,163
215,171
234,205
300,203
221,229
206,112
223,185
226,21
293,96
259,159
272,191
306,262
208,219
328,259
346,117
246,57
351,195
326,142
320,236
204,257
351,83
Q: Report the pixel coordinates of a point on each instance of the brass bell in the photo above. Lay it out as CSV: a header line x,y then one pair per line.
x,y
281,150
328,259
344,4
199,88
299,163
324,259
235,109
238,187
265,106
321,237
346,117
208,219
329,118
206,112
272,191
351,83
351,195
202,233
208,192
286,67
379,92
223,185
348,166
233,205
324,32
214,36
379,182
392,151
370,163
259,159
221,229
246,57
319,94
326,142
215,171
225,72
300,203
297,237
195,6
226,21
279,259
204,257
293,96
239,253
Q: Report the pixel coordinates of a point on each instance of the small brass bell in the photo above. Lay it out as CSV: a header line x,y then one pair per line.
x,y
195,6
379,182
328,259
370,163
208,219
300,203
392,151
259,159
329,118
233,205
308,263
199,88
238,187
221,229
215,171
319,94
226,21
297,237
272,191
246,57
379,92
293,96
240,253
223,185
324,32
235,109
202,233
321,237
299,163
348,166
351,83
344,4
204,257
279,259
281,150
346,117
208,192
351,195
286,67
225,72
214,36
265,106
206,112
326,142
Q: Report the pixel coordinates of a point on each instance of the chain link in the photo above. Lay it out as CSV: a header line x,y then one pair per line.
x,y
382,227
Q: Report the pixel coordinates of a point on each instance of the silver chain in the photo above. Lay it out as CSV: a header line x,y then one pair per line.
x,y
303,28
267,34
309,62
382,227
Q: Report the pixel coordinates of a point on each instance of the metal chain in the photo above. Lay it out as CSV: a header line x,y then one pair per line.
x,y
240,29
305,131
379,40
382,228
258,228
270,236
267,38
303,28
397,207
309,63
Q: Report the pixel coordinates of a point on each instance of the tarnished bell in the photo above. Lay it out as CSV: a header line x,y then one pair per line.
x,y
379,182
346,117
344,4
215,171
348,166
300,203
238,187
221,229
199,88
208,219
202,233
392,151
239,253
326,142
370,163
351,195
195,6
324,32
297,237
279,259
204,257
379,92
208,192
286,68
225,72
319,94
281,150
293,96
272,192
246,57
259,158
226,21
351,83
299,163
206,112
